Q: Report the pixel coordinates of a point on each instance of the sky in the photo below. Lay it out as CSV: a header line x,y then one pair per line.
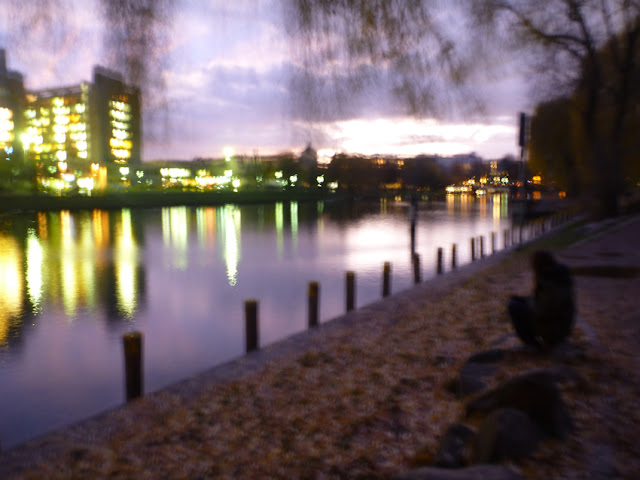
x,y
227,69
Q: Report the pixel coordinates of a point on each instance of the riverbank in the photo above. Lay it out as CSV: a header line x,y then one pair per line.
x,y
365,395
150,199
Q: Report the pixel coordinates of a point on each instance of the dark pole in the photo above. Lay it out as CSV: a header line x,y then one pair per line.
x,y
386,279
453,256
351,291
133,364
314,294
416,268
251,322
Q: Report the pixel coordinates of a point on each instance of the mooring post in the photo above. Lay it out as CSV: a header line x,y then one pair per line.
x,y
481,239
132,343
439,267
493,243
520,235
416,268
314,294
351,291
453,257
386,279
473,249
251,324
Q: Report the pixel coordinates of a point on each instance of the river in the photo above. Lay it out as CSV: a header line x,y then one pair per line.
x,y
71,283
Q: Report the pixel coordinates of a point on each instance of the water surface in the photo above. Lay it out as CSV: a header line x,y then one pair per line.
x,y
71,283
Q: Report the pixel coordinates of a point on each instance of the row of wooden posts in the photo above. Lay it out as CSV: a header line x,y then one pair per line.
x,y
512,237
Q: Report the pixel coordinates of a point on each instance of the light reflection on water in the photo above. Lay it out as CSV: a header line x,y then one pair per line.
x,y
72,283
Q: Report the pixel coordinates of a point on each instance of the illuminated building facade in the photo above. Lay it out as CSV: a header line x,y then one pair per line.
x,y
11,121
73,136
81,132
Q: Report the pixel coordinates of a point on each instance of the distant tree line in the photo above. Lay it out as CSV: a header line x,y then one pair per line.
x,y
588,140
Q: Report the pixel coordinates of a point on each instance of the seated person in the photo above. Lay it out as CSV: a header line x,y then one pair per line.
x,y
546,318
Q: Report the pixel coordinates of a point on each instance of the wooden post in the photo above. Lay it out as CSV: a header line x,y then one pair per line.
x,y
439,268
493,243
481,239
416,268
251,323
386,279
473,249
351,291
133,364
314,294
453,257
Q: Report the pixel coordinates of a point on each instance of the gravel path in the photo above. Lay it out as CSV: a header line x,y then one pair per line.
x,y
365,396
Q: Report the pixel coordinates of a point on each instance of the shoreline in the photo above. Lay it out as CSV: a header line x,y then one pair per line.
x,y
152,199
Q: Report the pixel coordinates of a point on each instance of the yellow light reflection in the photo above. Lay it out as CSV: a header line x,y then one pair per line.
x,y
294,222
67,267
101,228
88,259
496,208
232,219
279,228
483,206
11,284
175,228
125,259
320,208
206,225
34,260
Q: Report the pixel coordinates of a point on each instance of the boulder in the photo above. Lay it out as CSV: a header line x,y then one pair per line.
x,y
536,394
454,448
475,370
506,433
476,472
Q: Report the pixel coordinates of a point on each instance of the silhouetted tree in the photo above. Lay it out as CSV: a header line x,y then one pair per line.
x,y
588,50
552,146
404,47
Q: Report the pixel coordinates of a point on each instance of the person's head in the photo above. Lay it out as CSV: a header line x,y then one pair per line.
x,y
541,260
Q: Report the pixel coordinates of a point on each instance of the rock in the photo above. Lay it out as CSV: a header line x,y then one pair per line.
x,y
507,433
566,352
476,369
495,355
453,451
477,472
536,394
471,378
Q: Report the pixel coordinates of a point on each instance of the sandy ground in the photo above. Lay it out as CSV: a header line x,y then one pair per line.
x,y
364,396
